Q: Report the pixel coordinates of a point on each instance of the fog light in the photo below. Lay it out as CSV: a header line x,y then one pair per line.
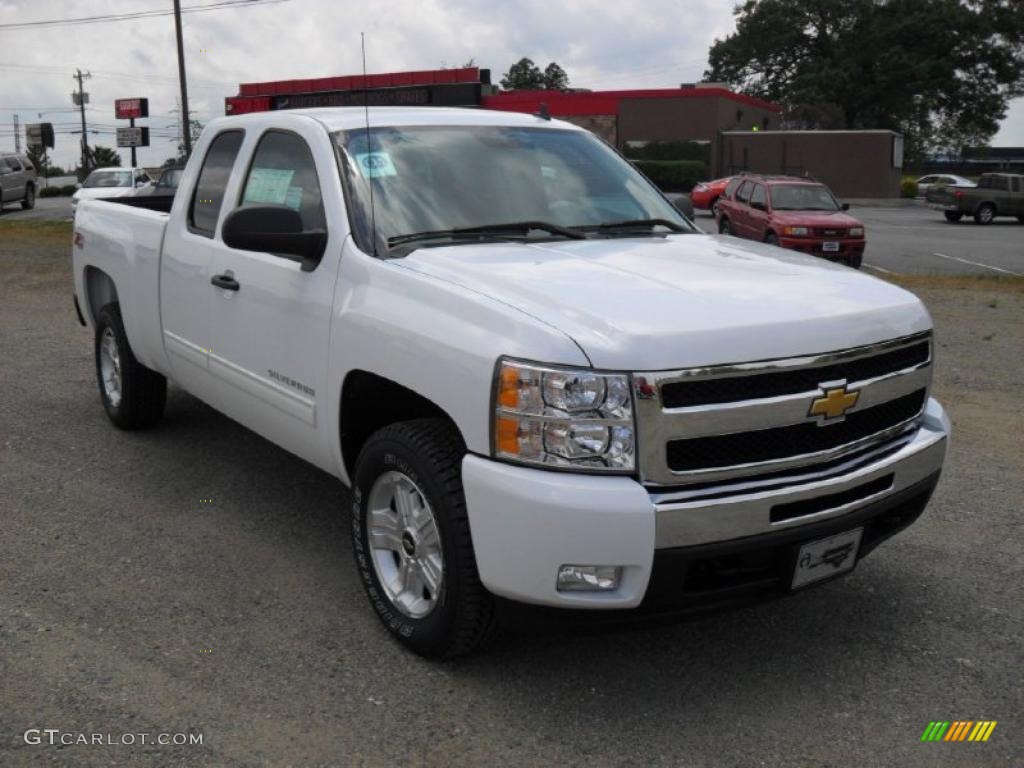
x,y
589,578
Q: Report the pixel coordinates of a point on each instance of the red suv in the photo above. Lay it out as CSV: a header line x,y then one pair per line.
x,y
793,213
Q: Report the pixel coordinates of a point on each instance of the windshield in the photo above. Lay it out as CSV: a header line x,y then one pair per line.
x,y
108,179
435,179
802,197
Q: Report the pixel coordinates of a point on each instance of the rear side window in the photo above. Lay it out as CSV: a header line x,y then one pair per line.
x,y
743,193
12,163
213,180
730,188
283,173
1000,182
758,196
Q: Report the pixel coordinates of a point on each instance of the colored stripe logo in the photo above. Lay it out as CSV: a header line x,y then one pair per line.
x,y
958,730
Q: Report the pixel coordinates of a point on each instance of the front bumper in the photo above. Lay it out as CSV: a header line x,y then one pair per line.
x,y
848,249
527,523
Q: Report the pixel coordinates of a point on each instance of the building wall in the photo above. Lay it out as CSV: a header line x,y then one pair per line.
x,y
602,125
692,119
852,163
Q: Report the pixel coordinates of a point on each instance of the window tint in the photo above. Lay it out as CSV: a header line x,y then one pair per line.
x,y
1016,183
1000,182
12,163
283,173
730,188
213,180
758,195
743,193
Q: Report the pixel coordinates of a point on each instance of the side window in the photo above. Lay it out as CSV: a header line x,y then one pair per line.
x,y
12,163
927,180
1000,182
213,180
283,173
743,193
1016,183
758,196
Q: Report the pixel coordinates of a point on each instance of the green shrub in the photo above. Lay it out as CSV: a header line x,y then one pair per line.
x,y
908,187
65,191
673,175
669,150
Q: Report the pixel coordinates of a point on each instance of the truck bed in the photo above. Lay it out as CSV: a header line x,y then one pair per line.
x,y
159,203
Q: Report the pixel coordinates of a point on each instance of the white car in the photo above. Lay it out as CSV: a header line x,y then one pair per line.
x,y
111,182
540,381
941,180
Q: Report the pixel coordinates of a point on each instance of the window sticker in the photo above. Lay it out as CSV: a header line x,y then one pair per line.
x,y
375,165
268,185
293,198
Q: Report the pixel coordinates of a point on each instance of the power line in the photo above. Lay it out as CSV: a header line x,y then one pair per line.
x,y
135,14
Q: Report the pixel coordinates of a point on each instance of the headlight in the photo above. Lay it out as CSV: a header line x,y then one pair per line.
x,y
557,417
856,231
795,231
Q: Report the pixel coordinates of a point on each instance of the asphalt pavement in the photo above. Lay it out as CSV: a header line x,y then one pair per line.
x,y
46,209
197,579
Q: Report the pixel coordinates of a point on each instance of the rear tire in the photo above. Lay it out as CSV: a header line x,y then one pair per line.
x,y
985,214
133,395
411,540
953,216
724,227
714,207
30,197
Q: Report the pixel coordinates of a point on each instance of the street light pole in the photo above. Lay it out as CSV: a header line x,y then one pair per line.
x,y
186,127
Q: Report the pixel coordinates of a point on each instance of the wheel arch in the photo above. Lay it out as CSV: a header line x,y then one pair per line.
x,y
370,402
100,290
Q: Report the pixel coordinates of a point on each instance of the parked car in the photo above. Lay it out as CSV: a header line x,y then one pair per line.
x,y
705,195
540,381
17,180
997,194
167,184
793,213
941,180
111,182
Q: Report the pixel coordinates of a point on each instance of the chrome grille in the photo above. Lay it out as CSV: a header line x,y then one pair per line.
x,y
734,421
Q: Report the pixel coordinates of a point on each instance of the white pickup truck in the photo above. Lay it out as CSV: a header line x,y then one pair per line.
x,y
542,383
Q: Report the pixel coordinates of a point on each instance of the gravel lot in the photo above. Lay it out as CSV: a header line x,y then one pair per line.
x,y
198,579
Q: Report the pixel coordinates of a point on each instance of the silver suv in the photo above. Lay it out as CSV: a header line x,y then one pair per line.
x,y
17,180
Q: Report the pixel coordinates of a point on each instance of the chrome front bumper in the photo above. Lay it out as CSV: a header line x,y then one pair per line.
x,y
691,517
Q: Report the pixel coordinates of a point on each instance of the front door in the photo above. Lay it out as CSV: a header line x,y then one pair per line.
x,y
271,325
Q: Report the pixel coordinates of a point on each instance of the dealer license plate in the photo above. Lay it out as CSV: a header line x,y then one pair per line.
x,y
830,247
825,558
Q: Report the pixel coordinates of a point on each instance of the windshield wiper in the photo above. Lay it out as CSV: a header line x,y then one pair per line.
x,y
488,230
634,224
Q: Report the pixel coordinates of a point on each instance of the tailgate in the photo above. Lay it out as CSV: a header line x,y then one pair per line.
x,y
941,196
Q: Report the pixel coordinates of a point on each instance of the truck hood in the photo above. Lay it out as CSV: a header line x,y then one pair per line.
x,y
679,301
822,219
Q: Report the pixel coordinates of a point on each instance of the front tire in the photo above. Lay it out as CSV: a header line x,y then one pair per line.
x,y
30,197
411,539
724,227
953,216
771,238
985,214
133,395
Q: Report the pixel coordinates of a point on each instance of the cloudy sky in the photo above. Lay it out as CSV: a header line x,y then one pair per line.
x,y
601,44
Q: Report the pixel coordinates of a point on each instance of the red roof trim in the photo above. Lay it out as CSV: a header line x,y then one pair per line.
x,y
607,102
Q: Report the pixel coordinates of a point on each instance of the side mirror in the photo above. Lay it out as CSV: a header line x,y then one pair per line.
x,y
275,229
846,206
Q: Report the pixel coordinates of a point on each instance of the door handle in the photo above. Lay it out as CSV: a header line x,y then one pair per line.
x,y
227,282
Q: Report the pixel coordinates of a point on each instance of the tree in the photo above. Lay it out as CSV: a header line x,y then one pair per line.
x,y
939,71
35,155
555,78
102,157
196,128
524,75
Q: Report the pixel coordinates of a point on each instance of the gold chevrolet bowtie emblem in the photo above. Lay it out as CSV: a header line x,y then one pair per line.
x,y
835,403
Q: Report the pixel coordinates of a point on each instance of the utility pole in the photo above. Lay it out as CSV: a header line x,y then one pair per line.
x,y
81,103
186,127
17,136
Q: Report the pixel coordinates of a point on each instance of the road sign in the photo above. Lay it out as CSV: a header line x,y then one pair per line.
x,y
79,101
125,109
133,137
39,135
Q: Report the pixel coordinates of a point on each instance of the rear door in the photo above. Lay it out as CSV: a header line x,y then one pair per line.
x,y
270,336
189,246
758,212
741,210
13,178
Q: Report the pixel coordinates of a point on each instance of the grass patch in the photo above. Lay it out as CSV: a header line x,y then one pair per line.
x,y
34,229
999,283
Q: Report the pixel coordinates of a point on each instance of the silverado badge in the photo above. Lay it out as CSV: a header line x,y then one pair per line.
x,y
835,403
